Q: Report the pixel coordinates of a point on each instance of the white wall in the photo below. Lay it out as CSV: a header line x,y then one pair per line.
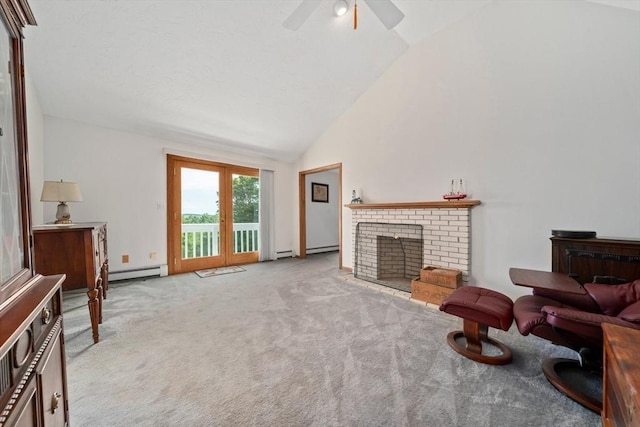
x,y
35,124
123,180
536,105
322,218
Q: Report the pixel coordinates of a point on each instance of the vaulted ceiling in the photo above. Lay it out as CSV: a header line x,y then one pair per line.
x,y
222,73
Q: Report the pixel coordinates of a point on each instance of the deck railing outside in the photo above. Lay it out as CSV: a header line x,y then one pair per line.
x,y
200,240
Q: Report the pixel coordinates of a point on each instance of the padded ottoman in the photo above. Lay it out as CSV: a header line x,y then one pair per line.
x,y
480,309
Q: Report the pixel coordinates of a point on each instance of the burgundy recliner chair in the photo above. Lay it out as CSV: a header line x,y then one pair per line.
x,y
574,321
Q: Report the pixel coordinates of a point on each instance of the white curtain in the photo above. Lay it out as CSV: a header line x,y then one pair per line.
x,y
267,221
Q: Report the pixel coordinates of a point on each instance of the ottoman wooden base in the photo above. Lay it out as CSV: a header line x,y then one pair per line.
x,y
475,334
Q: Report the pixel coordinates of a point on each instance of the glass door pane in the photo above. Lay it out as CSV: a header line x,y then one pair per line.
x,y
11,254
245,192
200,203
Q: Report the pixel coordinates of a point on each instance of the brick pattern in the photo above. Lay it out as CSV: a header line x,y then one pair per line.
x,y
446,233
399,258
383,241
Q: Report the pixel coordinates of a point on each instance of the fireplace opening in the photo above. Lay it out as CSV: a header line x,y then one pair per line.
x,y
388,254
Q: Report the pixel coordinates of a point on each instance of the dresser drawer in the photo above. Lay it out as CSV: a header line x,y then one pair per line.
x,y
44,320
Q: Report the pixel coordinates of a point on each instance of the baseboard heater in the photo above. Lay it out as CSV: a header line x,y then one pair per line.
x,y
284,254
136,273
322,249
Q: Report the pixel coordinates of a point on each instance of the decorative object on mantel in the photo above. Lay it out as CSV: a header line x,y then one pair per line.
x,y
457,191
354,198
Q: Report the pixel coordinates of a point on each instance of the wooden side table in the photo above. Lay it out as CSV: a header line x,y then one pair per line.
x,y
80,251
621,382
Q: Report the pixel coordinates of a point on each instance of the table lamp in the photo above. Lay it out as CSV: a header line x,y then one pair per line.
x,y
62,192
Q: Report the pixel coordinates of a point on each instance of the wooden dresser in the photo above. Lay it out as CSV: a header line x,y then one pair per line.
x,y
33,386
612,260
621,382
79,251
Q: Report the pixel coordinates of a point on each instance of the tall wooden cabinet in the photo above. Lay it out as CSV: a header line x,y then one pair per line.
x,y
33,378
79,251
33,374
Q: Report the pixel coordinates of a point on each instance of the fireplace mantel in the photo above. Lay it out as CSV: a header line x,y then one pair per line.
x,y
455,204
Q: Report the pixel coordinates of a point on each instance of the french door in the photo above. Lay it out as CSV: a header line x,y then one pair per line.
x,y
212,214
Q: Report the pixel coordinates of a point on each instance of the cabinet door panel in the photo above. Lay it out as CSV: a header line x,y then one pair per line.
x,y
52,390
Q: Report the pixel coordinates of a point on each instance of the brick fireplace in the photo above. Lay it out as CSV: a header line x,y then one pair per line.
x,y
393,241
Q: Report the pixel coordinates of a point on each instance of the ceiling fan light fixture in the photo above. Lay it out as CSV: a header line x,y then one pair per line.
x,y
340,7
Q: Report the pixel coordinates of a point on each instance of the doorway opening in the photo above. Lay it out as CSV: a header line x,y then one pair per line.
x,y
212,214
306,196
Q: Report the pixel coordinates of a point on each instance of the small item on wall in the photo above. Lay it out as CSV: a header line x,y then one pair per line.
x,y
319,192
456,192
354,198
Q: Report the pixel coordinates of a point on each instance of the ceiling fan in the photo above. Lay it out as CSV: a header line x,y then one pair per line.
x,y
387,12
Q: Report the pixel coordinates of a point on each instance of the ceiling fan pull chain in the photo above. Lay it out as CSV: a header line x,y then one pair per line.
x,y
355,15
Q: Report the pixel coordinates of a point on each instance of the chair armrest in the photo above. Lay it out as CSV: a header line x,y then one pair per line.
x,y
583,302
581,322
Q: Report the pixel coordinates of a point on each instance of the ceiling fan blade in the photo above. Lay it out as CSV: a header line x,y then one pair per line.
x,y
386,11
301,14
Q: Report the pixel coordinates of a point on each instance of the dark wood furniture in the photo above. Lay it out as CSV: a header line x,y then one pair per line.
x,y
545,280
33,378
621,400
555,369
612,260
33,386
80,252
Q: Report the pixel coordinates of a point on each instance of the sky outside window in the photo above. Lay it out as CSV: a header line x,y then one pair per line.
x,y
199,191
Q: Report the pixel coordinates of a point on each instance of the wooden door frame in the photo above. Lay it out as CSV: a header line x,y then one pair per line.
x,y
302,196
174,221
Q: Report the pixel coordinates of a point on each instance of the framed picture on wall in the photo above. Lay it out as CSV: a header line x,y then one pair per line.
x,y
319,192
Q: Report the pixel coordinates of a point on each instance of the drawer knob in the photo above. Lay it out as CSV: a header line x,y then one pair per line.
x,y
46,316
55,402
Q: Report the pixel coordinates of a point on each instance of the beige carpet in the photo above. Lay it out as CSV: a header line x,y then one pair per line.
x,y
292,343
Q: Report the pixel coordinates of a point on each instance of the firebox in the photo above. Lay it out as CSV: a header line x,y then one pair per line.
x,y
388,254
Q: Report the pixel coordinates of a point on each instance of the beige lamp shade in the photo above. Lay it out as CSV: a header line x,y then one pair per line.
x,y
61,192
